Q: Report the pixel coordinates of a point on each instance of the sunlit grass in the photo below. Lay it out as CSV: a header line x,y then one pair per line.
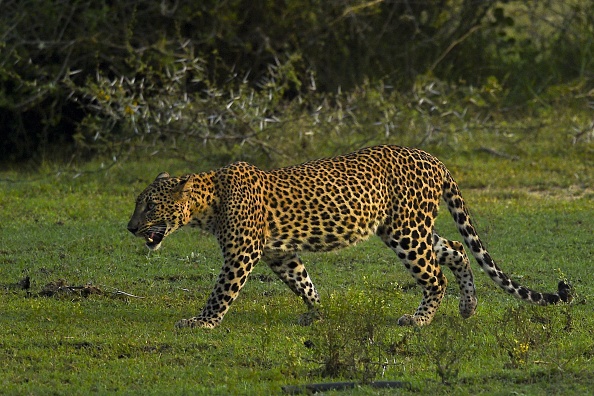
x,y
534,214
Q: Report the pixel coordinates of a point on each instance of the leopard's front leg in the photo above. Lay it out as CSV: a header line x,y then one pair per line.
x,y
237,220
233,275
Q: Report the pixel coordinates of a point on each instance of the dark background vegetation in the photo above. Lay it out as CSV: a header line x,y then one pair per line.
x,y
264,79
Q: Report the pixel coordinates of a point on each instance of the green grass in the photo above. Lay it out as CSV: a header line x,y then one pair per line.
x,y
536,223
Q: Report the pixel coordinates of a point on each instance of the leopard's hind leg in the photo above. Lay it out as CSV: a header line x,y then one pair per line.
x,y
415,250
452,254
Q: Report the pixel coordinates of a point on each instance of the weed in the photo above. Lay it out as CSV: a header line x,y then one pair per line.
x,y
447,347
525,333
351,341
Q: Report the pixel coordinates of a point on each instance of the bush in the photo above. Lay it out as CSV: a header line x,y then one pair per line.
x,y
306,54
175,111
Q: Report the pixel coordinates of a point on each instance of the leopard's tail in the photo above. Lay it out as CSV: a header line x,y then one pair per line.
x,y
458,210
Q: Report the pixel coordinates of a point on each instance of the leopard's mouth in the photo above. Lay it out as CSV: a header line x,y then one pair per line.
x,y
153,239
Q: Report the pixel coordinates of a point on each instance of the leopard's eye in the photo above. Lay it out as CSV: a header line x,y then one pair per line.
x,y
150,206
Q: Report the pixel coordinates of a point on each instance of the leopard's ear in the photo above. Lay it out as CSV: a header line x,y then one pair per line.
x,y
183,185
162,175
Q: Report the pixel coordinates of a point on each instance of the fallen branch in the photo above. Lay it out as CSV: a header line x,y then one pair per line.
x,y
61,287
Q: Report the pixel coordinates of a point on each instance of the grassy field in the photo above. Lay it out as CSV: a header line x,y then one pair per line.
x,y
98,315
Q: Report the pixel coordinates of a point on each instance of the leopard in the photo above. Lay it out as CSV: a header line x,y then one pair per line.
x,y
322,205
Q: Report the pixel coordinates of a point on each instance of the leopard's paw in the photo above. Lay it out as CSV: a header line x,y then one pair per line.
x,y
414,320
193,323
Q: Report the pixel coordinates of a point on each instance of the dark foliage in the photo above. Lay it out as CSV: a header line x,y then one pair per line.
x,y
50,50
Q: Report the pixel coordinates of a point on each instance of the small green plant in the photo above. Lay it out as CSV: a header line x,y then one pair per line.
x,y
351,340
447,347
526,333
515,336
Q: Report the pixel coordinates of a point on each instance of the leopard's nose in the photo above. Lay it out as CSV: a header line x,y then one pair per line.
x,y
132,229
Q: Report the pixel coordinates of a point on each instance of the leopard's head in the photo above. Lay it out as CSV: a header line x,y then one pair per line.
x,y
160,210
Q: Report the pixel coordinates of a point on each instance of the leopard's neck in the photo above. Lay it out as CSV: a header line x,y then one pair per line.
x,y
202,201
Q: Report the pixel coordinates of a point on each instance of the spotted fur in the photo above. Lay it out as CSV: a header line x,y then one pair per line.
x,y
322,205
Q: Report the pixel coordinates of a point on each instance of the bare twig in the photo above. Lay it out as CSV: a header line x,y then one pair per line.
x,y
123,293
453,45
497,153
